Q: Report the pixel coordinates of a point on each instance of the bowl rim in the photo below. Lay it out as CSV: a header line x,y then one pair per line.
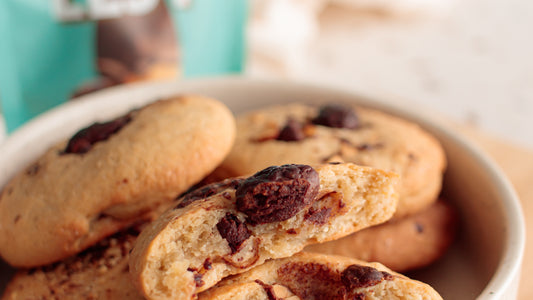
x,y
509,266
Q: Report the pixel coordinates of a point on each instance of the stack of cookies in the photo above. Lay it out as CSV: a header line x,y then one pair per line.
x,y
423,225
178,200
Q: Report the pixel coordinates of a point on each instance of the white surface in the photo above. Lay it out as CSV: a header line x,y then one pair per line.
x,y
472,63
485,260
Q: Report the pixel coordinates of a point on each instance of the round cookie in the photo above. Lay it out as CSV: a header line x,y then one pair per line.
x,y
316,276
110,175
99,272
300,133
402,244
229,227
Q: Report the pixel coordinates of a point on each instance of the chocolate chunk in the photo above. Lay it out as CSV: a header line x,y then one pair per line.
x,y
337,116
312,281
198,280
318,217
84,139
277,193
268,289
357,276
233,230
33,169
293,131
419,227
323,209
207,191
207,264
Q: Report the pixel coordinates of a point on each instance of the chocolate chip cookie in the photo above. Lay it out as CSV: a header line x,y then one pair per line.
x,y
229,227
402,244
109,175
315,276
301,133
99,272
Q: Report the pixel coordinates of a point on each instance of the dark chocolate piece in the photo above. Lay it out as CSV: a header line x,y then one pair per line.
x,y
84,139
277,193
234,231
33,169
269,289
357,276
337,116
318,216
292,131
312,281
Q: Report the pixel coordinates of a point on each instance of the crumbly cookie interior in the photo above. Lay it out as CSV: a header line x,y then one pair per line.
x,y
187,253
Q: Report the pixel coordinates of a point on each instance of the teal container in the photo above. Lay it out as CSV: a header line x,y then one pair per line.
x,y
49,49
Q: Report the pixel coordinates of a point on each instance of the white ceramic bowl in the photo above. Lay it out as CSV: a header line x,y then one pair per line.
x,y
483,263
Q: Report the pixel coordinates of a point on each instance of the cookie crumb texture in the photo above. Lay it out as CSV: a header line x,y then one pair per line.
x,y
315,276
168,260
307,134
111,175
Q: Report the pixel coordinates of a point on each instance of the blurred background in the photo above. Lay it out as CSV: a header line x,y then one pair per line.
x,y
468,60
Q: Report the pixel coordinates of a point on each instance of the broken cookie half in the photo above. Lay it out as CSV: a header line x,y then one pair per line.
x,y
230,227
318,276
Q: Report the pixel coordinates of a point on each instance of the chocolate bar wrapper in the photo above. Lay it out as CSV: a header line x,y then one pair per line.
x,y
52,51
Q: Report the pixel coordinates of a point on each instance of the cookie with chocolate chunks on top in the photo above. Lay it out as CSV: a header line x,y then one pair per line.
x,y
309,134
109,175
273,213
316,276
